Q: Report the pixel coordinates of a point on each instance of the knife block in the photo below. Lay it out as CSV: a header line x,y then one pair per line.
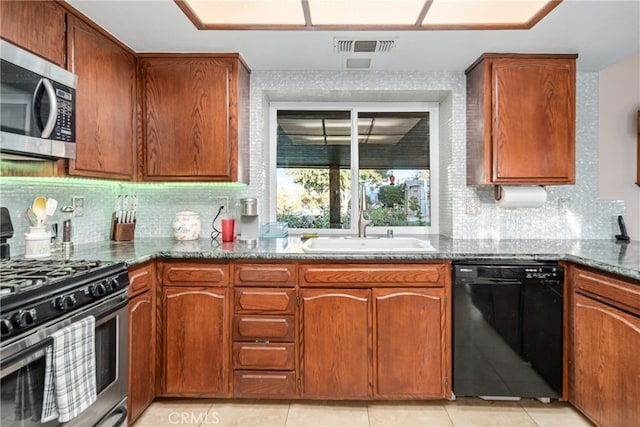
x,y
123,232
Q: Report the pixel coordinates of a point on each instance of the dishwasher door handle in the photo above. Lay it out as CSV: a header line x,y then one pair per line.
x,y
487,281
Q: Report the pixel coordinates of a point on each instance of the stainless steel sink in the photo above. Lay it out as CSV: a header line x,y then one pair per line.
x,y
357,244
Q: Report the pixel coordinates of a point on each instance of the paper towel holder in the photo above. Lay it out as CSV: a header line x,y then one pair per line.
x,y
497,191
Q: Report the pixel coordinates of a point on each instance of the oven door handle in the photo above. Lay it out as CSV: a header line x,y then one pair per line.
x,y
16,357
112,308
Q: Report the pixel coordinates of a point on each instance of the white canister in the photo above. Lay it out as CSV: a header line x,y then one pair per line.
x,y
186,225
37,243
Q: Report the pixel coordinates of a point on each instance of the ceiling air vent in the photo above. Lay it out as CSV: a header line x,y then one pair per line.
x,y
358,63
363,46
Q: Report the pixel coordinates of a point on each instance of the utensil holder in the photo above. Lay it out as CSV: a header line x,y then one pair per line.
x,y
123,232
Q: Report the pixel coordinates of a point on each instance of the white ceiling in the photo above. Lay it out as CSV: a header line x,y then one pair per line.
x,y
602,32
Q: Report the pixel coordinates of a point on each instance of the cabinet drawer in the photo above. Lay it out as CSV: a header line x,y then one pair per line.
x,y
368,275
273,328
279,384
264,274
263,356
621,293
195,273
141,279
267,301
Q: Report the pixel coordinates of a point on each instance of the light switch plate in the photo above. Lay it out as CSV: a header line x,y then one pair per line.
x,y
78,205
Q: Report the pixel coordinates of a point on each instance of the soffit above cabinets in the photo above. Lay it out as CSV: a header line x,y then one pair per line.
x,y
603,32
365,14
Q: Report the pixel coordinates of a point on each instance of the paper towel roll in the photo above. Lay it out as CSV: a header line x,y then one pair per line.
x,y
522,196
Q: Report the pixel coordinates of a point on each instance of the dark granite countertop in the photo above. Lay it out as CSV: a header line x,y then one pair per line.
x,y
606,255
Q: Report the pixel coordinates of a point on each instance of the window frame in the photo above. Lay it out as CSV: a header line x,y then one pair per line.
x,y
354,108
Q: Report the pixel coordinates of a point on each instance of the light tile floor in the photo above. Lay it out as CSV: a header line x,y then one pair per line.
x,y
463,412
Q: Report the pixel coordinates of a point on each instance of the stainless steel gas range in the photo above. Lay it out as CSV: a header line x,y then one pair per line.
x,y
41,297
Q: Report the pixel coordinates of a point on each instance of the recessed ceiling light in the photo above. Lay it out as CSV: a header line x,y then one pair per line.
x,y
483,12
365,14
244,13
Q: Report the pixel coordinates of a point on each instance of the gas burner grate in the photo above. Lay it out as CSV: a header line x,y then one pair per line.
x,y
22,275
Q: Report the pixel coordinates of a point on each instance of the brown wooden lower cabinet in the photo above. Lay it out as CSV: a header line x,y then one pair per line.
x,y
142,338
605,340
195,341
410,357
305,341
275,356
142,354
606,364
265,384
335,343
264,333
375,330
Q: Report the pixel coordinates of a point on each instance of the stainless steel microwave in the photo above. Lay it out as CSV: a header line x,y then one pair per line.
x,y
37,106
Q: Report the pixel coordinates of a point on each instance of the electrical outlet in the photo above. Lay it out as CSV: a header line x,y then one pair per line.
x,y
563,204
223,203
78,205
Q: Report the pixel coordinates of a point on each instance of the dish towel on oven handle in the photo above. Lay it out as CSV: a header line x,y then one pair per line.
x,y
70,373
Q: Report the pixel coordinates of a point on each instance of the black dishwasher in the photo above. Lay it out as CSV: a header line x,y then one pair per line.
x,y
507,329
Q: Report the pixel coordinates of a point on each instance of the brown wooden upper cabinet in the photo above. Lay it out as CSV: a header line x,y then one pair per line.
x,y
37,26
105,113
521,119
195,117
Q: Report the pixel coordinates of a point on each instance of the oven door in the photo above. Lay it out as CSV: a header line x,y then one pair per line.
x,y
23,364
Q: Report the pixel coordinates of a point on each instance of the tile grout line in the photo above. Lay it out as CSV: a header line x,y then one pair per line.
x,y
286,419
446,410
528,414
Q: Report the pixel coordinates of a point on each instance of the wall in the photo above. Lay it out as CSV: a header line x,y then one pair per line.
x,y
465,212
571,211
158,204
619,102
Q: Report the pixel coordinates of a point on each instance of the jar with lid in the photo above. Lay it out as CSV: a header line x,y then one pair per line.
x,y
186,225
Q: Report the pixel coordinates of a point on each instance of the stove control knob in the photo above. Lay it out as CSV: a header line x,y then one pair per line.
x,y
24,318
65,302
6,327
113,284
98,290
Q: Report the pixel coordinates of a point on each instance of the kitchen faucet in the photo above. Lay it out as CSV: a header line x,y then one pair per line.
x,y
362,221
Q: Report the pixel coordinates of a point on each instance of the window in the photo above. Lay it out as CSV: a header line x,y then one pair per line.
x,y
322,153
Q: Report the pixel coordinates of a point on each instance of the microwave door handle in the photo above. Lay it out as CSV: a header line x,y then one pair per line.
x,y
53,111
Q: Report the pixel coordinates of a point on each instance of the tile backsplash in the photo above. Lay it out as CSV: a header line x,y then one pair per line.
x,y
571,211
157,205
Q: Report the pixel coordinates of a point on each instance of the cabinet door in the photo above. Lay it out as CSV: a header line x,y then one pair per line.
x,y
606,367
533,125
409,355
335,344
37,26
196,349
142,354
105,114
188,134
